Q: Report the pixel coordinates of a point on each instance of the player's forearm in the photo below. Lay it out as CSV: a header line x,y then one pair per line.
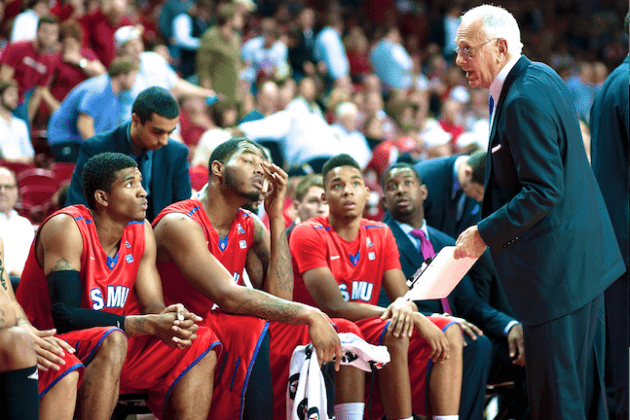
x,y
279,281
353,311
139,325
7,314
263,305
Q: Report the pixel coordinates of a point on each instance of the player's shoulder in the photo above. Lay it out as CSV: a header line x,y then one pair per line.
x,y
373,224
314,226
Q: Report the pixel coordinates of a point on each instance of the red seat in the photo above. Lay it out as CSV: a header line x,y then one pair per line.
x,y
38,177
36,202
16,167
63,170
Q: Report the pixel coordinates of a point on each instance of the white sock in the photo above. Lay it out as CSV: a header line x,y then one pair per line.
x,y
454,417
349,411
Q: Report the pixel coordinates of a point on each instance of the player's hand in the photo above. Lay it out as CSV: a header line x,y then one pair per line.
x,y
179,336
401,313
325,339
470,329
434,336
274,197
182,313
48,348
516,345
469,244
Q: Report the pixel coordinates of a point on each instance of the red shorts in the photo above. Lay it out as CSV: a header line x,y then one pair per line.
x,y
241,336
373,330
48,379
284,339
151,365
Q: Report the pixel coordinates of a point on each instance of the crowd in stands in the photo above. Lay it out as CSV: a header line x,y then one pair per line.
x,y
306,79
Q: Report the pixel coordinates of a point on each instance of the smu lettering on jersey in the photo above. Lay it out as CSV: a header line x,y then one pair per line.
x,y
107,283
231,251
357,266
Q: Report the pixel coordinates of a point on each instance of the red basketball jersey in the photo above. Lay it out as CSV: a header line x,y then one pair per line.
x,y
107,283
358,266
231,251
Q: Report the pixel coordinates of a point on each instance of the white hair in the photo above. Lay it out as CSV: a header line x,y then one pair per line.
x,y
497,23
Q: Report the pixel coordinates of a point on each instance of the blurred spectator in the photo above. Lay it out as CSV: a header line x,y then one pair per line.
x,y
444,30
288,90
391,62
330,51
223,114
373,131
583,90
194,121
436,141
358,49
451,119
100,25
300,45
170,10
218,57
265,56
306,98
77,64
153,71
92,107
16,231
266,102
187,31
308,201
31,63
371,83
600,73
25,24
346,129
418,80
374,107
15,142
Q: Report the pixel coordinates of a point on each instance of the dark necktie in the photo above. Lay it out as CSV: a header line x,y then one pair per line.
x,y
429,252
490,109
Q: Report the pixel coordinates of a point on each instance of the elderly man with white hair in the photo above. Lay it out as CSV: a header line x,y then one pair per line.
x,y
346,128
543,218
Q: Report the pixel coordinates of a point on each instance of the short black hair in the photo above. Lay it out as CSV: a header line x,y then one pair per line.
x,y
400,165
155,100
337,161
99,173
477,161
225,150
47,20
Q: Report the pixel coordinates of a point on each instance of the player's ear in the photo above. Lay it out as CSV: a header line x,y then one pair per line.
x,y
324,197
217,168
424,192
100,197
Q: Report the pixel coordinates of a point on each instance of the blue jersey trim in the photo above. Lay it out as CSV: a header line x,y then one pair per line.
x,y
60,377
88,359
190,213
136,222
181,375
238,362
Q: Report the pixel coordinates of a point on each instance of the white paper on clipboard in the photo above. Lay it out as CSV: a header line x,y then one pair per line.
x,y
441,276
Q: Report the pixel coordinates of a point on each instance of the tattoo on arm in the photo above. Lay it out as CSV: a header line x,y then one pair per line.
x,y
136,324
3,321
62,264
285,270
2,271
268,307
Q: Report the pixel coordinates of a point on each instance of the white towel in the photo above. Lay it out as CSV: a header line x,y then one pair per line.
x,y
306,382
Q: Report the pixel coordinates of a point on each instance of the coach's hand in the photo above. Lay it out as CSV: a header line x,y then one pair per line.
x,y
324,339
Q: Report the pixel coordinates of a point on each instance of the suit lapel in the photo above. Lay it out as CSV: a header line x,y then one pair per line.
x,y
520,65
405,247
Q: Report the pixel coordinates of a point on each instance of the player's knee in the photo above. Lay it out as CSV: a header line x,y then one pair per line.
x,y
397,346
113,349
455,338
16,349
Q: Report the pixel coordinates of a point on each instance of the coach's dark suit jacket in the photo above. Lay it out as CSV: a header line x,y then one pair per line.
x,y
170,181
440,209
544,217
609,150
465,303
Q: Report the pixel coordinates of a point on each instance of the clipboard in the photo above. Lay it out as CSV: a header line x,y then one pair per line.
x,y
438,279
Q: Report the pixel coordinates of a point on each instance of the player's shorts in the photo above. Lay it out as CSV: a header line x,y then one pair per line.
x,y
151,366
284,339
241,336
373,330
48,379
